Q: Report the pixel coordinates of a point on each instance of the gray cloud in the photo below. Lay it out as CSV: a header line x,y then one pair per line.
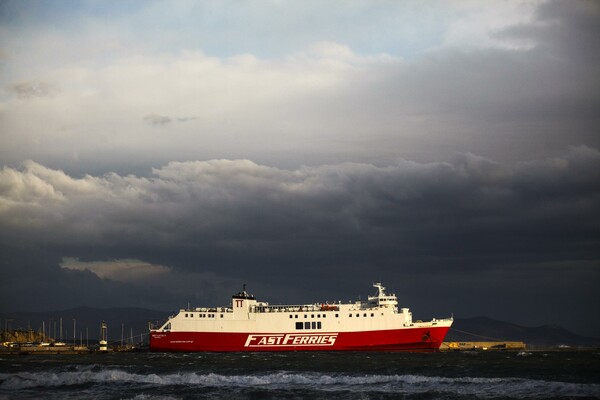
x,y
161,120
455,223
157,120
33,89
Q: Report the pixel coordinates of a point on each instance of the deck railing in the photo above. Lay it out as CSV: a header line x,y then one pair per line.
x,y
295,308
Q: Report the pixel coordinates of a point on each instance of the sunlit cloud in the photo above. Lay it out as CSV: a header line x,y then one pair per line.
x,y
123,270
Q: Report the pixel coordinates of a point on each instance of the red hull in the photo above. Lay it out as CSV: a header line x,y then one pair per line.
x,y
413,339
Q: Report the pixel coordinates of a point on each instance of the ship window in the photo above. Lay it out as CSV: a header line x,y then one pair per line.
x,y
314,325
337,315
186,315
296,316
305,316
372,315
291,316
299,325
307,325
324,315
365,314
357,314
350,315
221,315
318,324
312,315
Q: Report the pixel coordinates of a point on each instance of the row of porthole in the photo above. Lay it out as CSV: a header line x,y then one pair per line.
x,y
202,315
291,316
311,315
336,315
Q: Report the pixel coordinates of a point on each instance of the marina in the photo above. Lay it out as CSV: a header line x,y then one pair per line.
x,y
39,343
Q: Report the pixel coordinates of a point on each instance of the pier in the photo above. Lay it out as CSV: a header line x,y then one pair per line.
x,y
483,346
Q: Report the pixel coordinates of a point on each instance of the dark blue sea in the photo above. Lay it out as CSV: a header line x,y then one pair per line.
x,y
482,375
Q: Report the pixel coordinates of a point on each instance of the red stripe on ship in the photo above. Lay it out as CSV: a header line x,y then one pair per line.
x,y
413,339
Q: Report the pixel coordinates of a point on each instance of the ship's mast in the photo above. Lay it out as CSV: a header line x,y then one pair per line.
x,y
380,288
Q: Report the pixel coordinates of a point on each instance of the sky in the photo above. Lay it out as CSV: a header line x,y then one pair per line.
x,y
160,153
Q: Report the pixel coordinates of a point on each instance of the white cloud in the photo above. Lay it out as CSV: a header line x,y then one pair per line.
x,y
326,101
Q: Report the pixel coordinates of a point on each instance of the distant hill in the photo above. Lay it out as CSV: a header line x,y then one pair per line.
x,y
483,328
135,320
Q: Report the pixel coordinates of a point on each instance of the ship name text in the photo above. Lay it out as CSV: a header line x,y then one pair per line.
x,y
291,339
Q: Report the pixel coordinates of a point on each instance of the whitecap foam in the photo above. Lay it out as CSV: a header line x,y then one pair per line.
x,y
144,396
524,354
328,382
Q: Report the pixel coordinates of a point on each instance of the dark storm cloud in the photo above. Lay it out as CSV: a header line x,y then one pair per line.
x,y
567,28
441,226
229,202
33,280
476,234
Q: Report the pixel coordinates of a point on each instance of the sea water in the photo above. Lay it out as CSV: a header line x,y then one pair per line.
x,y
459,375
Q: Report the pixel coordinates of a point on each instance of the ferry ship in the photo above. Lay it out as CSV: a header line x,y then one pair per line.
x,y
251,325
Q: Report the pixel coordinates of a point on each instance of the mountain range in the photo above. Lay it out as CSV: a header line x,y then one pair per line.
x,y
124,323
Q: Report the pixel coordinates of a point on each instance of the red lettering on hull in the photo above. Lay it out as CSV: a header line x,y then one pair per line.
x,y
291,339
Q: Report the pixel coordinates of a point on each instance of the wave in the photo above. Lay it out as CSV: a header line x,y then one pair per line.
x,y
398,384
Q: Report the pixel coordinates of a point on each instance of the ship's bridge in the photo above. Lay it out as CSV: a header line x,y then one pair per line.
x,y
381,299
243,294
